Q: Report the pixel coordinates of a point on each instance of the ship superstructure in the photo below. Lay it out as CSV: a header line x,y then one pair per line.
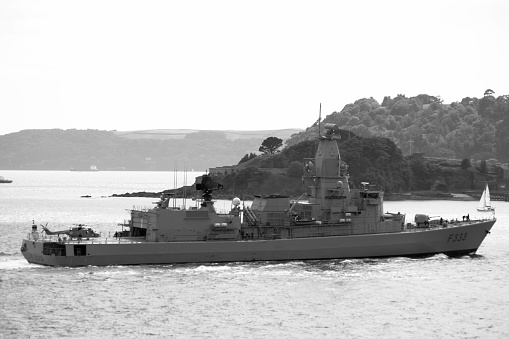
x,y
331,208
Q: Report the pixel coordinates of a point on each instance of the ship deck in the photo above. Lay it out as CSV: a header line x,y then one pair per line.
x,y
410,228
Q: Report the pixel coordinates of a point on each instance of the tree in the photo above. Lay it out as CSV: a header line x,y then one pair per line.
x,y
295,169
271,145
387,102
482,167
428,99
488,92
502,139
465,163
468,101
485,103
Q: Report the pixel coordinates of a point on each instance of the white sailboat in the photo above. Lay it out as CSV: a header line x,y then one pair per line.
x,y
485,202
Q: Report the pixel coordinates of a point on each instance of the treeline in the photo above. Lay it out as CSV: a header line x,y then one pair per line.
x,y
471,128
58,149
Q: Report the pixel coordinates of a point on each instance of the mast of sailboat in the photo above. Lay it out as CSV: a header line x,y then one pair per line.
x,y
184,196
487,197
319,119
174,205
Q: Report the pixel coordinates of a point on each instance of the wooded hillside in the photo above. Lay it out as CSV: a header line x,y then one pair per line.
x,y
470,128
403,144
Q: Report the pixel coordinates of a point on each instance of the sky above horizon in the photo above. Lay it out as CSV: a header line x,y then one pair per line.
x,y
238,65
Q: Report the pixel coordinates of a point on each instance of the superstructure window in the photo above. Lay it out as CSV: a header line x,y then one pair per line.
x,y
80,250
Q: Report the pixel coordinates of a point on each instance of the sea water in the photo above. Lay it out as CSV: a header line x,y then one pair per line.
x,y
434,297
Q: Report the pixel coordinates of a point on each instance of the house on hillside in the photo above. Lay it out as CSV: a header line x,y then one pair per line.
x,y
223,170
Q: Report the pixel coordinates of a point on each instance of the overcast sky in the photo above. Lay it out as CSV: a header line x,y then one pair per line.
x,y
131,65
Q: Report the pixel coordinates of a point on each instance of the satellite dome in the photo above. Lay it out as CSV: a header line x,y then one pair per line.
x,y
236,201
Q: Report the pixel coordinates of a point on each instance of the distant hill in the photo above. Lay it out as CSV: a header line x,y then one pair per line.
x,y
158,150
163,134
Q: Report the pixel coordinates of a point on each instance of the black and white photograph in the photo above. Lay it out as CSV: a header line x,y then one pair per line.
x,y
254,169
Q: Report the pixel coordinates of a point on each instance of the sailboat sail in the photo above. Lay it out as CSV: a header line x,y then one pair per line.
x,y
482,202
485,201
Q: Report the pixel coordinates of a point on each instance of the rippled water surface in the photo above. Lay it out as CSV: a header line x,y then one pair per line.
x,y
435,297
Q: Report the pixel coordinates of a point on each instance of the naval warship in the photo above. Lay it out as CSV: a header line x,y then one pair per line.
x,y
333,220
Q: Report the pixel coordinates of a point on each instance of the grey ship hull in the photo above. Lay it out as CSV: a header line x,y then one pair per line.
x,y
461,239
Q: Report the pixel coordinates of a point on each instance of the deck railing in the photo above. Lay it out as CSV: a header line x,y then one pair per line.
x,y
99,240
319,233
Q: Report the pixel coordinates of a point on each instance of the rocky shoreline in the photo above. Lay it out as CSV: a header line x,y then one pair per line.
x,y
142,194
387,196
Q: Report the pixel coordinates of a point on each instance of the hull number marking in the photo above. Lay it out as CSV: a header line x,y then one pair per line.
x,y
457,237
